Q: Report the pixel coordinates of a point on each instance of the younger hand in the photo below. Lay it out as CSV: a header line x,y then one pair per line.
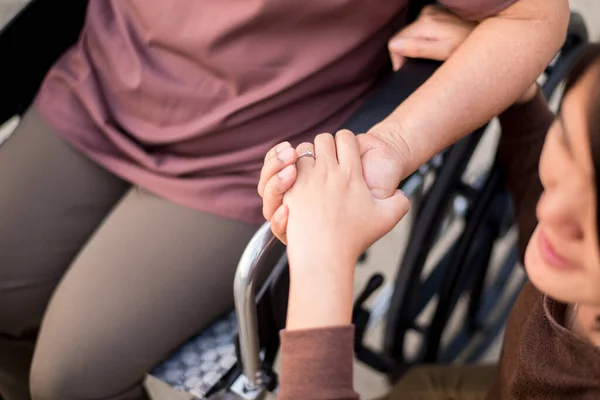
x,y
333,215
381,165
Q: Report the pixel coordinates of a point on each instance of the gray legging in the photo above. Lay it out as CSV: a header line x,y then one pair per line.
x,y
99,280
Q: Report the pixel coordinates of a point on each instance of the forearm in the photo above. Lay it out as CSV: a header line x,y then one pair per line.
x,y
317,344
492,68
319,300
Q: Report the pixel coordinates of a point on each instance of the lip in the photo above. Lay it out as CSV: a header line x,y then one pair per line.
x,y
550,255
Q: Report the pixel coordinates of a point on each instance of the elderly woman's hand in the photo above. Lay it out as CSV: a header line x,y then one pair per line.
x,y
333,217
435,35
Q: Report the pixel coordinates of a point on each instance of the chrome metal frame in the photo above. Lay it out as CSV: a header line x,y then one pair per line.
x,y
244,290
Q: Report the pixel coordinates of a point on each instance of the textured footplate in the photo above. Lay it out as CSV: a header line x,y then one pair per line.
x,y
197,366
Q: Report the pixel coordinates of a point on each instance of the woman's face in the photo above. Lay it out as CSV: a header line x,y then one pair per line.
x,y
563,256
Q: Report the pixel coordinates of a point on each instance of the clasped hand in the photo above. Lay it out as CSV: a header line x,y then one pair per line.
x,y
332,216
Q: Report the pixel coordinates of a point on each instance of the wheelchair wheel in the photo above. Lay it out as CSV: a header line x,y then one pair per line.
x,y
462,278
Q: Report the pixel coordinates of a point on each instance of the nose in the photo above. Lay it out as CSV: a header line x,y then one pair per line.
x,y
555,211
569,230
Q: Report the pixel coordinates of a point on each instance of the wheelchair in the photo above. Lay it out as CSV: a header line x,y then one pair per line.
x,y
234,358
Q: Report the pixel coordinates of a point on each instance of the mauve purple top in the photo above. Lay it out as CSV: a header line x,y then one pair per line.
x,y
185,97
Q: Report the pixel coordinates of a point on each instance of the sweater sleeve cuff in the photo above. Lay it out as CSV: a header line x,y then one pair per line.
x,y
317,364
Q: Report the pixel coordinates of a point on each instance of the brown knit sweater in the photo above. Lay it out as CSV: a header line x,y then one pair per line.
x,y
540,358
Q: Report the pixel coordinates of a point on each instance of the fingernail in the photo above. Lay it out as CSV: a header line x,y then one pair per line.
x,y
286,173
282,146
286,155
397,44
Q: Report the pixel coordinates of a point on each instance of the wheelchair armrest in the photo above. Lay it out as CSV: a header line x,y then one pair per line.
x,y
388,95
29,44
252,265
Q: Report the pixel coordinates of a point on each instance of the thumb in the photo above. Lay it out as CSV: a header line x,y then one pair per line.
x,y
419,47
394,208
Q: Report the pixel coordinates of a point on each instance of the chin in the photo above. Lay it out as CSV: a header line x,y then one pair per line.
x,y
547,278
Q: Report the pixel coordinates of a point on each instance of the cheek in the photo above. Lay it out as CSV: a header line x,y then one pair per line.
x,y
592,242
552,161
561,204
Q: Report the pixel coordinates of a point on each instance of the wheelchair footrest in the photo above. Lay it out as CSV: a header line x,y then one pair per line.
x,y
203,362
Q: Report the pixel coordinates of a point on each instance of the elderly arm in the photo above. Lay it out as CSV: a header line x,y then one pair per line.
x,y
503,55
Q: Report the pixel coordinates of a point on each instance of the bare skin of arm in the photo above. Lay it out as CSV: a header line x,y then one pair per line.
x,y
502,56
482,75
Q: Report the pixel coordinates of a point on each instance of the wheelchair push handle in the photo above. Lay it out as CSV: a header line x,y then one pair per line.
x,y
251,265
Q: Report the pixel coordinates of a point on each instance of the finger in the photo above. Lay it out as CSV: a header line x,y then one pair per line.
x,y
394,208
279,223
397,61
275,188
439,50
325,149
415,30
348,152
419,28
276,149
305,163
276,160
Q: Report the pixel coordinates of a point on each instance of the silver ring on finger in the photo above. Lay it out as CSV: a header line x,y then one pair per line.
x,y
307,153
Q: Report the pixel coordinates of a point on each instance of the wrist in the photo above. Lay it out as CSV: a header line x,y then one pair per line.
x,y
393,135
321,292
320,257
316,304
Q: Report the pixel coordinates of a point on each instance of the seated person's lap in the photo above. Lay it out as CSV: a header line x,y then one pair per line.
x,y
138,274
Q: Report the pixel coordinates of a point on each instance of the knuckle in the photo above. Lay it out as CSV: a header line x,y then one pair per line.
x,y
270,154
347,172
323,137
271,190
305,146
417,50
345,132
277,187
344,136
268,167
